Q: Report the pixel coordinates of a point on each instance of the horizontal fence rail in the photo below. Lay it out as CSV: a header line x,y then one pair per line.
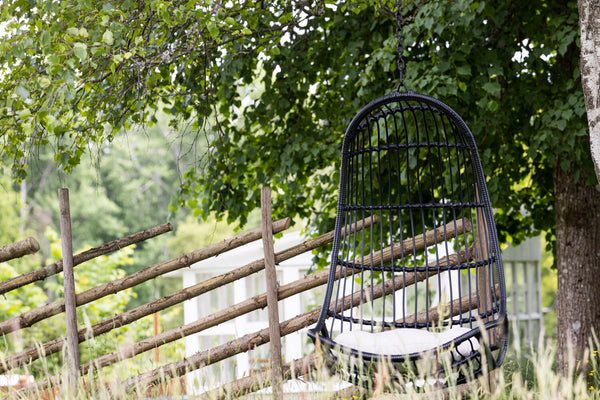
x,y
257,302
19,249
80,258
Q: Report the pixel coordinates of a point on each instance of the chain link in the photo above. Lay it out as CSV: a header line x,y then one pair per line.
x,y
400,46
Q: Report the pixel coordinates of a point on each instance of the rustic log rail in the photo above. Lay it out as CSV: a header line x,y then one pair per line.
x,y
260,301
253,383
19,249
418,243
287,327
251,340
80,258
447,310
252,304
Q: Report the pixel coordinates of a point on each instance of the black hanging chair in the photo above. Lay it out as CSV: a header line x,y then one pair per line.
x,y
426,277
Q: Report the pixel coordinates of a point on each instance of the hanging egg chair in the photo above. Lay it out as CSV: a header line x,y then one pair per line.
x,y
425,281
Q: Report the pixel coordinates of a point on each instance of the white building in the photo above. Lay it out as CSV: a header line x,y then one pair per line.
x,y
293,346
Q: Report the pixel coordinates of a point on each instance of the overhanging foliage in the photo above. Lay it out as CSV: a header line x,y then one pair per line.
x,y
269,88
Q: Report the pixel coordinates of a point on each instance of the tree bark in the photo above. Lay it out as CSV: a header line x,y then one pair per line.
x,y
589,25
577,208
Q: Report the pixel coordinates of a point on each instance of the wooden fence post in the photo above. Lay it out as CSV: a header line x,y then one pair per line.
x,y
69,285
272,297
484,273
156,332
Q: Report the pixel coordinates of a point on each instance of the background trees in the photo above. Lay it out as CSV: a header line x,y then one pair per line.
x,y
266,90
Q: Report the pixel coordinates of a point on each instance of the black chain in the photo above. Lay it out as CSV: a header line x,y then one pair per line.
x,y
400,46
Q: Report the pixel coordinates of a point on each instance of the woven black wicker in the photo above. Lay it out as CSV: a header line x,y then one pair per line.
x,y
430,262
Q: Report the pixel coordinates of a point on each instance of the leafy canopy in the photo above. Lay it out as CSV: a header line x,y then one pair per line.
x,y
75,73
269,87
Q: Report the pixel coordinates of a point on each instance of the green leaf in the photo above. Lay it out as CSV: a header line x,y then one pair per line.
x,y
73,31
24,114
107,37
80,51
17,51
492,88
54,59
495,70
464,69
22,92
44,82
212,29
45,38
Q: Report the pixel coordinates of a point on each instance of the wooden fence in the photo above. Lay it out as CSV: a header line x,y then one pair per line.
x,y
173,371
179,368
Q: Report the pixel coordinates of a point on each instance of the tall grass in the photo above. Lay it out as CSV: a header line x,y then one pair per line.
x,y
525,374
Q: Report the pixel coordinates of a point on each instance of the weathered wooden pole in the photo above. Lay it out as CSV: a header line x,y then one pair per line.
x,y
19,249
80,258
69,285
155,332
272,297
484,273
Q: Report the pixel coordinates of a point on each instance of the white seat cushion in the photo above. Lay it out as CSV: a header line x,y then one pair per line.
x,y
405,341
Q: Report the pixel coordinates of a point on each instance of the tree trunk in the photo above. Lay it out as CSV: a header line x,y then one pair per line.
x,y
589,25
577,207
